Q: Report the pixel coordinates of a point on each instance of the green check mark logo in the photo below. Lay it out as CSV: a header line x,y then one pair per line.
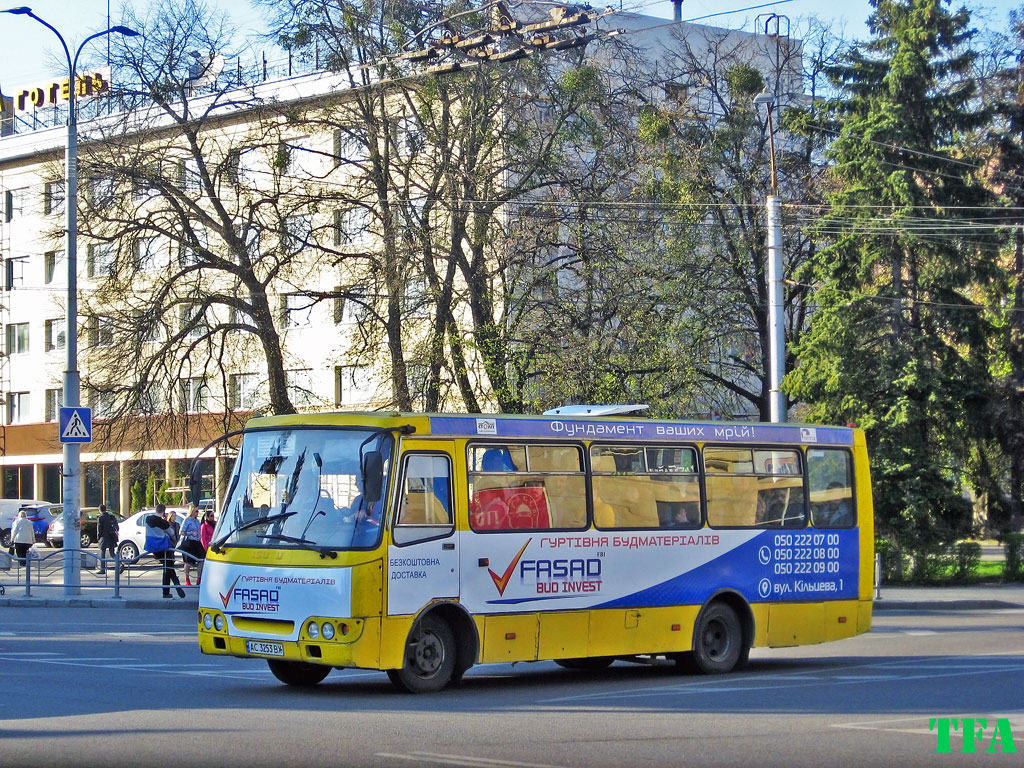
x,y
502,581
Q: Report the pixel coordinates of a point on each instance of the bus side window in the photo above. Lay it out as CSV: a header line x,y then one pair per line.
x,y
424,500
830,472
754,488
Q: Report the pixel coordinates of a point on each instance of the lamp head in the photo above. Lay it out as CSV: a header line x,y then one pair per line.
x,y
21,10
764,98
126,31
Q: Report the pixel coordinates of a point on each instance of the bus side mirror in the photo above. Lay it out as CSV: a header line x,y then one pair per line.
x,y
373,476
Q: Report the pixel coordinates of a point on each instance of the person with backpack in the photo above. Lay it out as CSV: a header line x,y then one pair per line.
x,y
106,532
161,533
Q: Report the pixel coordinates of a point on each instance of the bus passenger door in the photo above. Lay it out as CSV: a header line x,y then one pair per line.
x,y
423,557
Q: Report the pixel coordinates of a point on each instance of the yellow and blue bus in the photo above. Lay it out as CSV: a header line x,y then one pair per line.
x,y
422,544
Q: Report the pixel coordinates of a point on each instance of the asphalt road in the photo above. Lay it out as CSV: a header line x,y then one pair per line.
x,y
96,687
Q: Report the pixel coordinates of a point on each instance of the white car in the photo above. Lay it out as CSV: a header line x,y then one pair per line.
x,y
131,533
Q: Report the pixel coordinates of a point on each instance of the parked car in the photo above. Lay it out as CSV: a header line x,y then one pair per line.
x,y
90,517
132,533
41,515
8,511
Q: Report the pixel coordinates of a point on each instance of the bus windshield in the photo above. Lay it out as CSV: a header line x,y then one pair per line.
x,y
318,489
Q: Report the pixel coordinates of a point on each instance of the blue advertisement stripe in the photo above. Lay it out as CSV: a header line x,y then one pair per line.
x,y
638,430
772,566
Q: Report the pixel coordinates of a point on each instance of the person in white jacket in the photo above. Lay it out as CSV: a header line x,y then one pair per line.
x,y
23,536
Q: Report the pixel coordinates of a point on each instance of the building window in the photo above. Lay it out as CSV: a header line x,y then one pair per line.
x,y
101,190
415,297
152,399
101,260
101,331
245,390
193,320
55,336
192,246
191,180
300,388
351,226
15,272
54,398
17,339
238,316
352,384
147,253
53,198
296,310
17,407
296,234
101,403
192,394
49,266
14,203
354,306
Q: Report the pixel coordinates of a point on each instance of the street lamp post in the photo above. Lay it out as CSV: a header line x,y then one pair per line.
x,y
776,326
72,482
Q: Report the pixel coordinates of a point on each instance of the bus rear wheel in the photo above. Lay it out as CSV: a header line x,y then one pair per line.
x,y
717,640
298,673
429,658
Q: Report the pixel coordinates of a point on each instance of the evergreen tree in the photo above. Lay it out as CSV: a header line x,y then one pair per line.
x,y
1006,415
138,496
897,345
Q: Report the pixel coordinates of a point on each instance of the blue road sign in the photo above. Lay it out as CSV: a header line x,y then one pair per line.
x,y
75,425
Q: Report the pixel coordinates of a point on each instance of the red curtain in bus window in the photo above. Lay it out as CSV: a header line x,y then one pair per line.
x,y
509,508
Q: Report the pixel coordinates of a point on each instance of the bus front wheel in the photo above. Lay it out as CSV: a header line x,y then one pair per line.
x,y
429,658
717,640
298,673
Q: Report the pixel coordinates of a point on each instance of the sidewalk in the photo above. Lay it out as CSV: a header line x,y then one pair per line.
x,y
969,598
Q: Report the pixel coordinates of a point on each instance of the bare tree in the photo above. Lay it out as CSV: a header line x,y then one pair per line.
x,y
196,229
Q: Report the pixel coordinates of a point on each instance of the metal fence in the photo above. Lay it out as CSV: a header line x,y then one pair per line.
x,y
45,569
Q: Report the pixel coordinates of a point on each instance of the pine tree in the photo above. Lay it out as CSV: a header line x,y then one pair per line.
x,y
897,344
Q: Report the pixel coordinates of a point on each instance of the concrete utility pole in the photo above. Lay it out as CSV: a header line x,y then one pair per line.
x,y
72,474
776,325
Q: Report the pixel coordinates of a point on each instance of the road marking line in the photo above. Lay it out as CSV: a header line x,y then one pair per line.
x,y
483,762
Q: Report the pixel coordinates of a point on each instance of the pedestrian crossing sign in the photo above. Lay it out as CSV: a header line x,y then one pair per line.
x,y
75,425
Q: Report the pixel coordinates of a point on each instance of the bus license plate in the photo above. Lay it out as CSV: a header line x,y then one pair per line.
x,y
264,648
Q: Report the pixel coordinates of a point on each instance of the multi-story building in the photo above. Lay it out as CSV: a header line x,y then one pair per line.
x,y
252,238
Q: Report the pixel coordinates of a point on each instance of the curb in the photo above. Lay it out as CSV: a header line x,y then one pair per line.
x,y
944,605
98,602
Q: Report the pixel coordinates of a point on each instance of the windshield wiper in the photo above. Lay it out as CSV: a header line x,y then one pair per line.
x,y
324,552
218,545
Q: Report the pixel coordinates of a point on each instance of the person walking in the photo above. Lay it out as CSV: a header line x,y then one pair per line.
x,y
106,532
192,550
205,537
23,536
160,529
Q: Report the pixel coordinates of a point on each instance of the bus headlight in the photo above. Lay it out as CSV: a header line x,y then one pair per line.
x,y
218,622
313,630
208,621
328,631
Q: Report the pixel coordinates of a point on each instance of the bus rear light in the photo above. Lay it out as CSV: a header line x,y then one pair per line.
x,y
510,635
676,627
842,619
